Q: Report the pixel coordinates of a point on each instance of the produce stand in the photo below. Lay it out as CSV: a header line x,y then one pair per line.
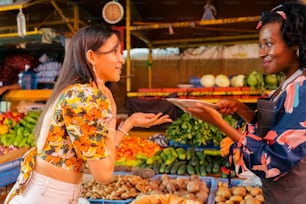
x,y
16,138
213,94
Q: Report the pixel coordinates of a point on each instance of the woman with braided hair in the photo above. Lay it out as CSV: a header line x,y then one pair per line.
x,y
273,144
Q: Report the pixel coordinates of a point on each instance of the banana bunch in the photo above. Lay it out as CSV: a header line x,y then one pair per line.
x,y
21,135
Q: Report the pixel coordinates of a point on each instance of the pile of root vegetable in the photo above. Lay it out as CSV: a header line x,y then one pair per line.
x,y
238,194
189,187
123,187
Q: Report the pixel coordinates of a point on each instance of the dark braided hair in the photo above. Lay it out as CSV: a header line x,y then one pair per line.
x,y
292,16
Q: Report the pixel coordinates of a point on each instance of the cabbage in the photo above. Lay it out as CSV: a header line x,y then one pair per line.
x,y
271,79
238,80
222,80
255,80
208,80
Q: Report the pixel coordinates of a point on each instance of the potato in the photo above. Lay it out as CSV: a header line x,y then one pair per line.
x,y
252,201
247,196
193,186
224,192
259,188
239,190
219,199
260,198
255,191
249,188
202,196
203,187
236,198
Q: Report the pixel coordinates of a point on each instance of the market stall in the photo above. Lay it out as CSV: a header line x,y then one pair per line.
x,y
180,161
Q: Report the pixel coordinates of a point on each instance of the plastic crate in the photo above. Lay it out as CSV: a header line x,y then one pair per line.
x,y
210,182
234,182
102,201
9,172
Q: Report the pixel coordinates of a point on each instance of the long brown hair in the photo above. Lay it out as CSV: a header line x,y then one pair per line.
x,y
76,68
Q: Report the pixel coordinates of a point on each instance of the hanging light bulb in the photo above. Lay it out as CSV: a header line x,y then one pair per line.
x,y
21,24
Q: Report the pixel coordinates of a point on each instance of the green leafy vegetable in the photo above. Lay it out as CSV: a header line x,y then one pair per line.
x,y
190,130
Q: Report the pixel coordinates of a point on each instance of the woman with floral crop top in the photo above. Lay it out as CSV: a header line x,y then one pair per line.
x,y
78,126
273,145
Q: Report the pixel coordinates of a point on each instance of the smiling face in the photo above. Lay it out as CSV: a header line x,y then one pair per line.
x,y
107,60
276,55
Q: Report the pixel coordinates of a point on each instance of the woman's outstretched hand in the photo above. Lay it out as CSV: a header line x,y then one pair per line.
x,y
147,120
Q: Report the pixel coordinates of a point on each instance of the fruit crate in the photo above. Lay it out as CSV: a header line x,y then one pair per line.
x,y
9,172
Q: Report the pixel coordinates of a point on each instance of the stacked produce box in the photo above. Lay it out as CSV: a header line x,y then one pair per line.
x,y
15,139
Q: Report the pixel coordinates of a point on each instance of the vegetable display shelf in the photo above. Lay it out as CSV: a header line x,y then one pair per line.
x,y
28,95
243,94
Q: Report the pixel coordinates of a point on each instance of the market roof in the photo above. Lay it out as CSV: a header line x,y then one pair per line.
x,y
151,23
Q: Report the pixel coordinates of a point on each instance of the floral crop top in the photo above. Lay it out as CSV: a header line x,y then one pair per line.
x,y
81,119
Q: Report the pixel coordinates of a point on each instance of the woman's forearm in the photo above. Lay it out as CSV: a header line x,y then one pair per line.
x,y
230,131
245,112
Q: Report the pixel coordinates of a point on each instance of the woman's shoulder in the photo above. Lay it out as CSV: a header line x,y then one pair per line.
x,y
81,91
80,88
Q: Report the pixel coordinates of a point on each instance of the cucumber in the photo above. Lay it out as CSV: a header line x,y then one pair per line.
x,y
181,153
190,169
194,160
176,166
181,170
201,157
170,160
197,169
189,153
156,166
169,167
202,170
162,168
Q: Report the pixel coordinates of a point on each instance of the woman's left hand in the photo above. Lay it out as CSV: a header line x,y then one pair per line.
x,y
147,120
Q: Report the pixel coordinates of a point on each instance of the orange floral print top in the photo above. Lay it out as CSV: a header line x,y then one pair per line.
x,y
80,122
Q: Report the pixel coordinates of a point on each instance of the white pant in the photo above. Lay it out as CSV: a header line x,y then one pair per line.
x,y
45,190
